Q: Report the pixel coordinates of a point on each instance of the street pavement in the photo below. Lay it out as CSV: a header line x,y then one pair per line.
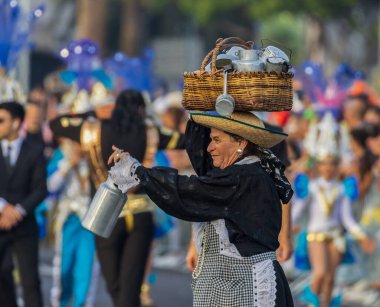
x,y
170,289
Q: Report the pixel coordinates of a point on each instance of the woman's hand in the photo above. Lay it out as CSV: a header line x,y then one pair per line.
x,y
368,245
116,155
285,250
191,257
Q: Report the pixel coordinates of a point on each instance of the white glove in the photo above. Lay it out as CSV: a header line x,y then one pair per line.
x,y
123,173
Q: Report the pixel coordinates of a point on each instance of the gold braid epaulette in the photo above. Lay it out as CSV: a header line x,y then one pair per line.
x,y
91,145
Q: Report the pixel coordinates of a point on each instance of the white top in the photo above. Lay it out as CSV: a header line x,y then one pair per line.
x,y
318,219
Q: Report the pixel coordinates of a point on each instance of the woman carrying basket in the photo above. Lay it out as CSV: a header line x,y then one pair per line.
x,y
234,202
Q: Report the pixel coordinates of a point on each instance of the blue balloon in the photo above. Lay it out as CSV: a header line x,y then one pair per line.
x,y
312,77
132,72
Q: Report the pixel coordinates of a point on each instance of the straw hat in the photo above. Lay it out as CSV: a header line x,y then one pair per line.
x,y
244,124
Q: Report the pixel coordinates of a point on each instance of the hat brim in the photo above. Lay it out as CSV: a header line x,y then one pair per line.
x,y
260,136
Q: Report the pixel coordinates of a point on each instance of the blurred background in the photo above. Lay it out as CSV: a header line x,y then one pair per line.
x,y
149,44
182,31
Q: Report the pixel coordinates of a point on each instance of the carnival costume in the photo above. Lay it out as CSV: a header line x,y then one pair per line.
x,y
236,227
74,264
326,203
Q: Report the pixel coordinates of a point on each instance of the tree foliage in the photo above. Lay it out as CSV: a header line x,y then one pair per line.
x,y
205,11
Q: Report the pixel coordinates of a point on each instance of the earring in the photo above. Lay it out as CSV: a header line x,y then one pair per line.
x,y
239,151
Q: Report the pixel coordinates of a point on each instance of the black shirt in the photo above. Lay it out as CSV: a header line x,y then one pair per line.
x,y
244,195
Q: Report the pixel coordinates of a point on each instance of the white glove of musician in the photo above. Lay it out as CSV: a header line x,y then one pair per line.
x,y
123,173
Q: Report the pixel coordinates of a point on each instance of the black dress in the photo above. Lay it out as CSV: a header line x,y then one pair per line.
x,y
240,211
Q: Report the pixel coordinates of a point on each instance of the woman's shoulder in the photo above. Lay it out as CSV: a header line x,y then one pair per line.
x,y
233,173
251,169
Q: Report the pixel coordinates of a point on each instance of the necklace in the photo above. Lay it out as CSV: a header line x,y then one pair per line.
x,y
199,267
328,204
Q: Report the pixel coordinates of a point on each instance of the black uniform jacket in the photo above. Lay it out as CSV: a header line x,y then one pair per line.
x,y
244,195
25,184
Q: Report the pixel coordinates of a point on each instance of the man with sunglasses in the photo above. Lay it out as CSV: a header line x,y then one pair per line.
x,y
22,188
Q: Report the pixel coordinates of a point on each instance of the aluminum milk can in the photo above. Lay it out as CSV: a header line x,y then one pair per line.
x,y
104,209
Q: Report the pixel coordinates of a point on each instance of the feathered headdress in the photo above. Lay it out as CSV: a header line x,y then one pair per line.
x,y
15,29
131,72
326,138
327,94
89,82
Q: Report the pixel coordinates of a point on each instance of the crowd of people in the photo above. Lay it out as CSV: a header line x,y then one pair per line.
x,y
54,156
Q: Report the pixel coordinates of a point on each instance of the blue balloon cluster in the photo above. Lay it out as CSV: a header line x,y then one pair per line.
x,y
83,65
15,28
312,77
132,72
345,76
314,81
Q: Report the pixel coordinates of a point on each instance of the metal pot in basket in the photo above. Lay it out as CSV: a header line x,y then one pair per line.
x,y
251,88
275,59
276,64
249,61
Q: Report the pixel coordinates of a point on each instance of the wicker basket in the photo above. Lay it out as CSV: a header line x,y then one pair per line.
x,y
252,91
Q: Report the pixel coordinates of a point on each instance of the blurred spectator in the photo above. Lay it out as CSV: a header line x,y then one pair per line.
x,y
372,115
373,140
170,112
172,116
354,109
22,188
369,265
74,255
363,160
34,121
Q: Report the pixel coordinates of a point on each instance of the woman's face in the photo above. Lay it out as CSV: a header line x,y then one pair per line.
x,y
223,148
374,144
328,167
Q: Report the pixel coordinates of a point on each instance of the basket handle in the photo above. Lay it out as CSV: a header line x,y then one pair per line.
x,y
221,44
